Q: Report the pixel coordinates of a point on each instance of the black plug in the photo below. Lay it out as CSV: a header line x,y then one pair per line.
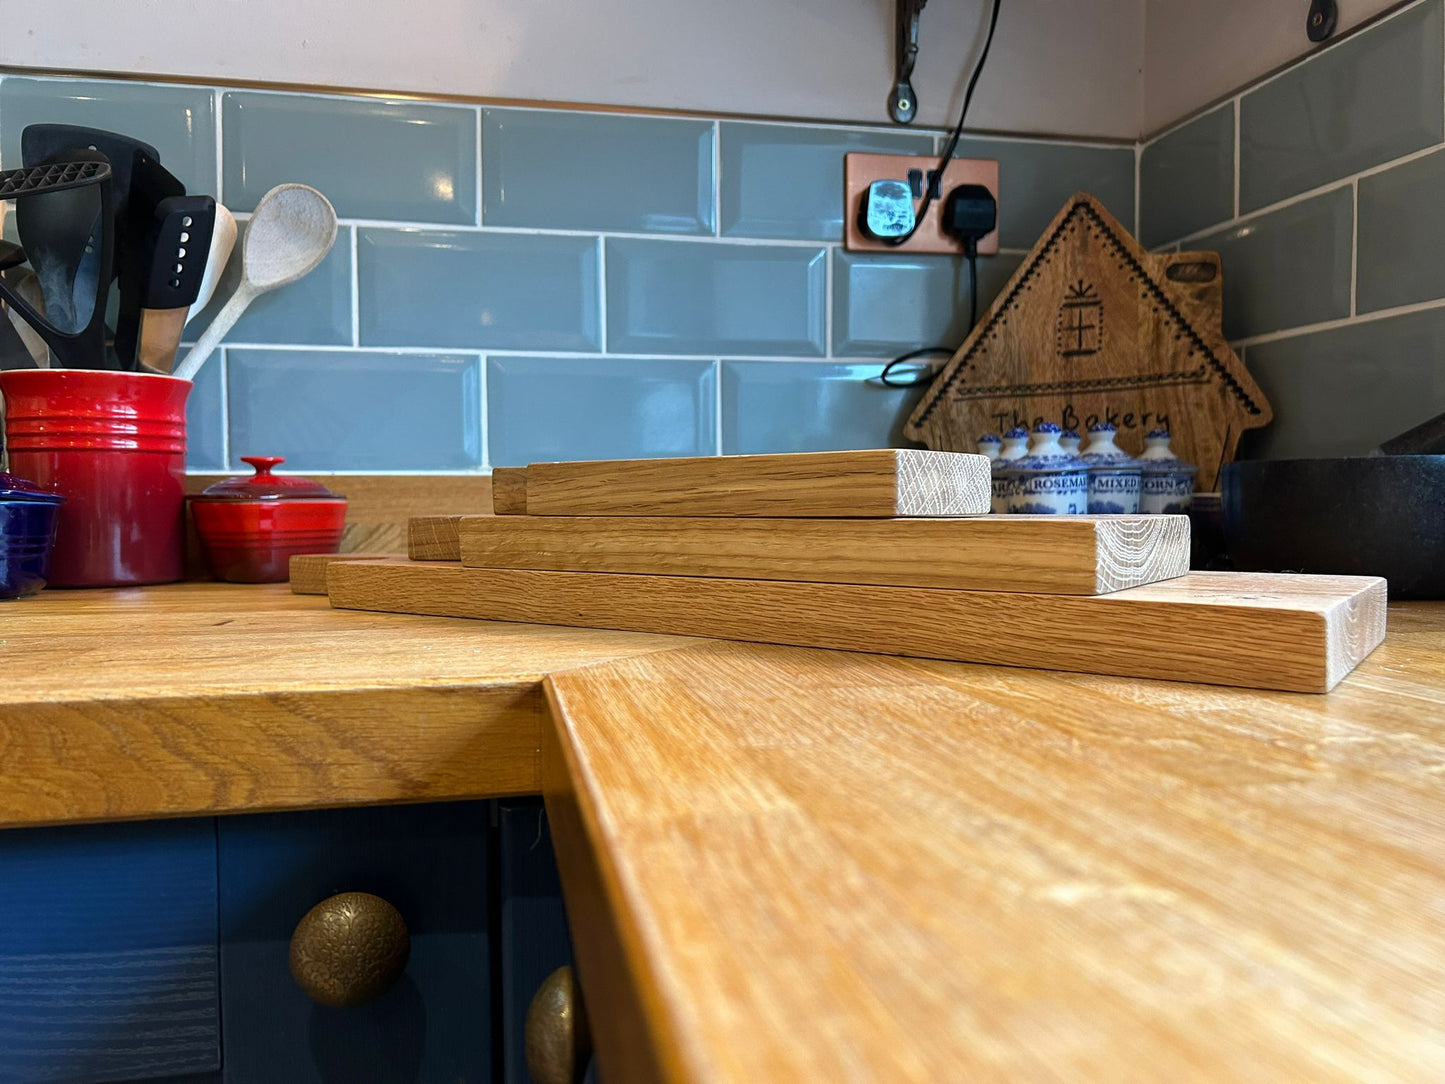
x,y
970,213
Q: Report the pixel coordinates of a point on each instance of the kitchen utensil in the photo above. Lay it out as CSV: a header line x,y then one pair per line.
x,y
223,240
63,209
250,528
114,444
290,232
178,247
14,354
1379,515
150,184
27,535
27,288
1092,328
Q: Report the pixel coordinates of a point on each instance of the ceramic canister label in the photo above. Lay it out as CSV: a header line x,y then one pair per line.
x,y
1114,493
1166,491
1064,493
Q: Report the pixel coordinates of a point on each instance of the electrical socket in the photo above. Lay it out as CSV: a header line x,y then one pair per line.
x,y
861,169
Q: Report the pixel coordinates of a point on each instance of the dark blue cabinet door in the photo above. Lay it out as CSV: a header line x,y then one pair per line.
x,y
533,926
108,952
431,863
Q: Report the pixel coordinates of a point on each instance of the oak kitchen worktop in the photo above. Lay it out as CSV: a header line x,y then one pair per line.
x,y
794,864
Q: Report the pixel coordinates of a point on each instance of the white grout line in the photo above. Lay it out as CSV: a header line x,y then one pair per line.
x,y
482,423
828,300
601,293
216,104
1238,110
716,179
1343,322
355,290
498,352
1354,241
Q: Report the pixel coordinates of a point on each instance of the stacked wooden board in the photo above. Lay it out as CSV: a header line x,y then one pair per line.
x,y
887,551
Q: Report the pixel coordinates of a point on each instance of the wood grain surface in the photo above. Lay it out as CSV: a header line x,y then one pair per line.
x,y
1079,555
509,490
433,538
307,571
882,482
1261,630
1091,327
852,867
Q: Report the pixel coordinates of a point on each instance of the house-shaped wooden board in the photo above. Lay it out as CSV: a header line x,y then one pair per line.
x,y
1092,327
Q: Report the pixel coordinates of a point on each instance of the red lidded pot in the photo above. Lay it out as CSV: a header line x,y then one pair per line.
x,y
250,528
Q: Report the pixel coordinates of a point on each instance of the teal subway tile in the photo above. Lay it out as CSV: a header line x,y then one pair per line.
x,y
1186,178
373,158
485,290
1401,235
1371,98
551,169
1036,179
673,297
887,304
316,311
1286,268
541,409
1342,392
205,419
811,406
178,121
782,181
353,410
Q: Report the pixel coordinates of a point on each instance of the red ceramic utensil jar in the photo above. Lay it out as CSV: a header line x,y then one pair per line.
x,y
114,445
250,528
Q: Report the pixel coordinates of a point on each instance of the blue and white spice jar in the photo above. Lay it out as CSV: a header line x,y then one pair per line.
x,y
1069,441
1015,447
1114,475
1049,481
1167,483
990,445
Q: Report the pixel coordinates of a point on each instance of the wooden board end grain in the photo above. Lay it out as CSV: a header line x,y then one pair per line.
x,y
509,491
1076,555
1257,630
433,538
876,482
308,570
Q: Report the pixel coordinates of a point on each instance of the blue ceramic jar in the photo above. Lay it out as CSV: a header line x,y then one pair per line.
x,y
1015,447
1049,481
27,535
1167,483
1114,475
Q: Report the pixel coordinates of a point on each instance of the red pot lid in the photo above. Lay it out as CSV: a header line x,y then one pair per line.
x,y
15,488
265,486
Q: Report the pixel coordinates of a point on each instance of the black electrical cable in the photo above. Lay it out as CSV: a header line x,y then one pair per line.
x,y
932,192
927,377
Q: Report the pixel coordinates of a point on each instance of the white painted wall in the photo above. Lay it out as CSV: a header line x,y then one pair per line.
x,y
1058,66
1198,50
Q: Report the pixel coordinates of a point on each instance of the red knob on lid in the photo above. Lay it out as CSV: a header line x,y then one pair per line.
x,y
265,486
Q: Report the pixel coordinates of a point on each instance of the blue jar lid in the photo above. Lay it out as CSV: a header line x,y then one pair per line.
x,y
1047,427
13,488
1155,434
1072,434
1018,432
1103,427
989,438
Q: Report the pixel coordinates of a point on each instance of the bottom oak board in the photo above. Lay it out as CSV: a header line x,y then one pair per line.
x,y
1259,630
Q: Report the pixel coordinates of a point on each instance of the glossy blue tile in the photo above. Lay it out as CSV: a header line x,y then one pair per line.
x,y
785,181
456,289
590,171
1186,178
353,410
205,419
542,409
373,158
1401,235
179,121
1036,179
1286,268
694,298
811,406
884,305
1344,391
315,311
1373,97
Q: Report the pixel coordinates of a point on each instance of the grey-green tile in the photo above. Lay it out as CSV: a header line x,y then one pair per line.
x,y
316,311
178,121
1035,180
1342,392
809,406
1286,268
884,305
464,289
1186,178
371,157
785,181
678,297
1371,98
541,409
551,169
1401,235
354,410
205,419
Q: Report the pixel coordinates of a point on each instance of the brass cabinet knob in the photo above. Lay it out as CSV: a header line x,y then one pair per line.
x,y
348,949
559,1043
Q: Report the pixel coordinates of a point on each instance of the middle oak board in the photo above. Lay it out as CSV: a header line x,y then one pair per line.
x,y
1065,555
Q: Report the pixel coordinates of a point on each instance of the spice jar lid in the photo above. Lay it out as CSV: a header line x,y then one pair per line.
x,y
265,486
15,488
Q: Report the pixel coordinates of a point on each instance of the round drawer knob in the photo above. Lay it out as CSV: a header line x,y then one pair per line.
x,y
348,949
559,1044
